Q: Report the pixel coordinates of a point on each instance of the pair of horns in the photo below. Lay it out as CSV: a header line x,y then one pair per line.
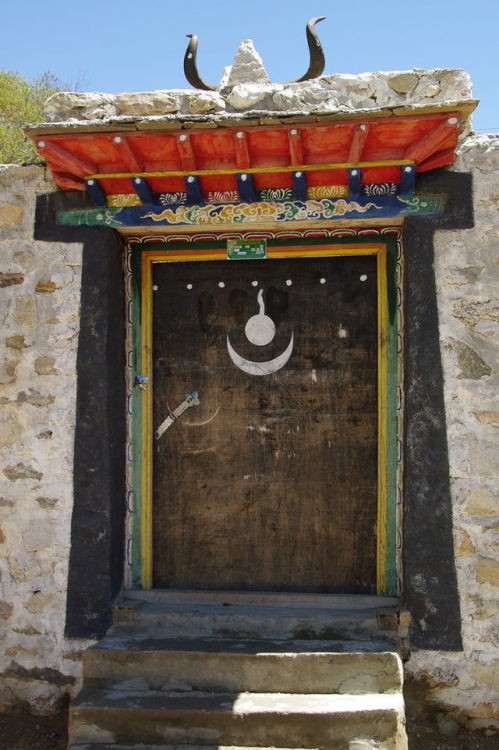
x,y
315,68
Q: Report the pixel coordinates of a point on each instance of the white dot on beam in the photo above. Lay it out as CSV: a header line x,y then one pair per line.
x,y
190,179
408,169
155,287
363,127
221,284
188,286
138,180
363,277
354,172
298,174
452,120
244,177
240,134
117,139
288,282
90,182
254,283
322,281
41,144
293,132
182,137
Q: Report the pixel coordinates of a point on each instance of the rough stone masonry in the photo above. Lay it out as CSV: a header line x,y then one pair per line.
x,y
39,303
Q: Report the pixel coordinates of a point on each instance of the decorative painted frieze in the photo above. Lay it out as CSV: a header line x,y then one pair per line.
x,y
390,206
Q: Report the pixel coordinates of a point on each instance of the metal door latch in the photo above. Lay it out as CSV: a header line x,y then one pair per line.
x,y
141,381
191,399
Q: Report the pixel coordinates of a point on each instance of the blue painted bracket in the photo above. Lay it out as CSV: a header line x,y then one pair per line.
x,y
300,186
194,190
246,187
354,182
96,192
141,187
407,178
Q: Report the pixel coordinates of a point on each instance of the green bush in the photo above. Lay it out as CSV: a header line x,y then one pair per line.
x,y
21,104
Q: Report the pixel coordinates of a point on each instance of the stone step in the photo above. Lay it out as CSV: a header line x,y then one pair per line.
x,y
243,665
230,620
241,719
141,746
264,599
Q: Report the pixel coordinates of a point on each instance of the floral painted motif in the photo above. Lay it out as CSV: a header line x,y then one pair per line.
x,y
171,199
381,188
327,191
123,199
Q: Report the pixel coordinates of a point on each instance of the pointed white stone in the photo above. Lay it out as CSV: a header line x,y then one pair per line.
x,y
247,66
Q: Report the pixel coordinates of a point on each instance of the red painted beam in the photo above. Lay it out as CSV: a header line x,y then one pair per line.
x,y
243,157
65,159
440,159
127,153
429,143
358,142
295,147
68,182
186,154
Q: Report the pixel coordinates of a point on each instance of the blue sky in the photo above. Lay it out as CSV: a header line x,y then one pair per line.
x,y
127,45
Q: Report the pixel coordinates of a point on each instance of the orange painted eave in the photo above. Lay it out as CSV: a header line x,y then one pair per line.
x,y
427,139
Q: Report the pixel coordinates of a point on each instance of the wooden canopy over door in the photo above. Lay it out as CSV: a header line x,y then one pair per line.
x,y
271,482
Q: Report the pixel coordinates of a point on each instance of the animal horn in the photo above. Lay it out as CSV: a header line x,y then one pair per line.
x,y
317,59
190,67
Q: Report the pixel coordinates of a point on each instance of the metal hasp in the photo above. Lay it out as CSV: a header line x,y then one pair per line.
x,y
191,399
315,68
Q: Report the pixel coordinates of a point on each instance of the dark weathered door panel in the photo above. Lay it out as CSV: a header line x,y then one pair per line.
x,y
271,482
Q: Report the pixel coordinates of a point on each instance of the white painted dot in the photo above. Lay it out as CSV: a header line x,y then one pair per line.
x,y
408,169
452,121
41,144
363,127
294,132
190,179
100,217
90,182
363,277
182,137
138,180
298,174
221,284
342,332
254,283
117,139
244,177
155,287
240,134
354,172
288,282
322,281
188,286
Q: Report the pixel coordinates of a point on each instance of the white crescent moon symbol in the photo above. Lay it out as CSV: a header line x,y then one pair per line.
x,y
260,368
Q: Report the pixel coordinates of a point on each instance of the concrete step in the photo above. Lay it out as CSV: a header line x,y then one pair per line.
x,y
241,719
225,619
244,665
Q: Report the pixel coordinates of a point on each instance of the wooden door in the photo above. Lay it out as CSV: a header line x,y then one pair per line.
x,y
271,482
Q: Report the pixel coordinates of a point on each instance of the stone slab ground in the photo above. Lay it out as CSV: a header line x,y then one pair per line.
x,y
23,731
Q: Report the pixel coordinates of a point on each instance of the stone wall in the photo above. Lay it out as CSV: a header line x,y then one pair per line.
x,y
39,303
465,686
339,94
